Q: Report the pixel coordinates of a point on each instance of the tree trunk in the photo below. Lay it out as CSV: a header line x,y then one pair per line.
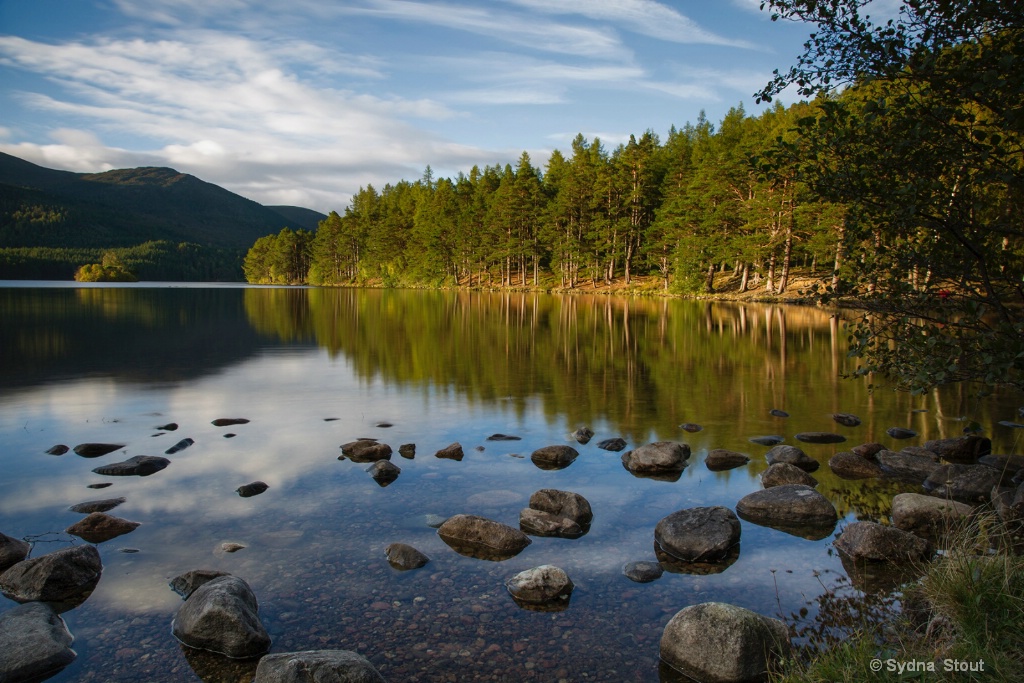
x,y
744,277
709,281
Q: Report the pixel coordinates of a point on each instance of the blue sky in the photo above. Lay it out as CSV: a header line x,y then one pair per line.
x,y
303,102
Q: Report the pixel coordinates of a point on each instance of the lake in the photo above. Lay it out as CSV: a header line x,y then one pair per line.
x,y
312,369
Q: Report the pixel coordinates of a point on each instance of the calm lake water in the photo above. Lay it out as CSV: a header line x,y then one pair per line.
x,y
313,369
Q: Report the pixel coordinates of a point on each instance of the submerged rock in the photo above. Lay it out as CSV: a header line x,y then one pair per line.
x,y
782,473
846,419
105,505
554,457
140,465
769,440
251,489
180,446
95,450
900,432
702,534
98,527
222,615
452,451
483,538
384,472
404,557
12,551
793,456
546,585
35,643
65,576
643,571
316,666
615,444
721,459
185,584
583,435
59,449
690,427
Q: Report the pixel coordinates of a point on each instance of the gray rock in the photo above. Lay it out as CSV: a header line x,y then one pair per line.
x,y
554,457
846,419
900,432
771,440
583,435
251,489
180,446
926,516
451,452
316,666
787,505
407,451
98,527
63,576
961,449
615,444
715,642
970,484
105,505
480,537
229,421
140,466
540,585
643,572
366,450
540,523
59,449
660,457
720,459
782,473
222,615
384,472
1007,464
95,450
12,551
35,644
849,465
793,456
921,452
913,469
868,450
563,504
820,437
186,584
873,542
703,534
404,557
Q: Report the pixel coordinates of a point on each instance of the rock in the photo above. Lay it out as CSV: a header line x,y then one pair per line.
x,y
615,444
846,419
407,451
95,450
483,538
404,557
503,437
702,534
721,459
583,435
643,572
868,450
451,452
873,542
366,450
105,505
140,465
102,485
540,586
554,457
793,508
228,421
180,446
251,489
658,458
690,427
1008,502
926,516
231,547
960,449
540,523
912,469
775,412
98,527
185,584
1007,464
771,440
384,472
793,456
59,449
66,576
222,615
970,484
782,473
820,437
921,452
316,666
848,465
900,433
434,521
12,551
715,642
384,425
169,427
563,504
35,644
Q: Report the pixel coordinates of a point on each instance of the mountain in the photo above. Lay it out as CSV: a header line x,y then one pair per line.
x,y
298,217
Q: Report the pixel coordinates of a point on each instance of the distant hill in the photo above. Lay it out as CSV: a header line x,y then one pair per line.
x,y
51,216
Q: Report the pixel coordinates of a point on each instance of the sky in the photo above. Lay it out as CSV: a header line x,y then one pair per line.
x,y
306,101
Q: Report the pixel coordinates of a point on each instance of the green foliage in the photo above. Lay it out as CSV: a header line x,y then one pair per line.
x,y
112,269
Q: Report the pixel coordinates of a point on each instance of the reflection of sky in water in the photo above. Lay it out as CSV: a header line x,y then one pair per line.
x,y
315,540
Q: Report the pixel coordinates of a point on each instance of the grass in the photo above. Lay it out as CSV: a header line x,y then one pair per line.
x,y
967,608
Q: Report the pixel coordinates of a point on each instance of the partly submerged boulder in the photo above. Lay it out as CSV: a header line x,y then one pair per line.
x,y
792,456
849,465
970,484
35,644
138,466
782,473
720,459
222,615
701,534
961,449
482,538
873,542
927,516
316,666
793,508
554,457
12,551
98,527
65,576
404,557
658,458
544,586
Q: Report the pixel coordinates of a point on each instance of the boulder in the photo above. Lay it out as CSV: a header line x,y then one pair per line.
x,y
721,459
251,489
12,551
384,472
615,444
793,508
542,585
846,419
913,469
643,572
98,527
105,505
715,642
222,615
921,452
961,449
820,437
868,450
58,449
407,451
926,516
482,538
316,666
554,457
139,466
95,450
782,473
35,644
970,484
849,465
1008,502
873,542
563,504
64,576
452,451
583,435
770,440
366,450
1009,465
404,557
702,534
540,523
185,584
660,457
900,432
793,456
180,446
